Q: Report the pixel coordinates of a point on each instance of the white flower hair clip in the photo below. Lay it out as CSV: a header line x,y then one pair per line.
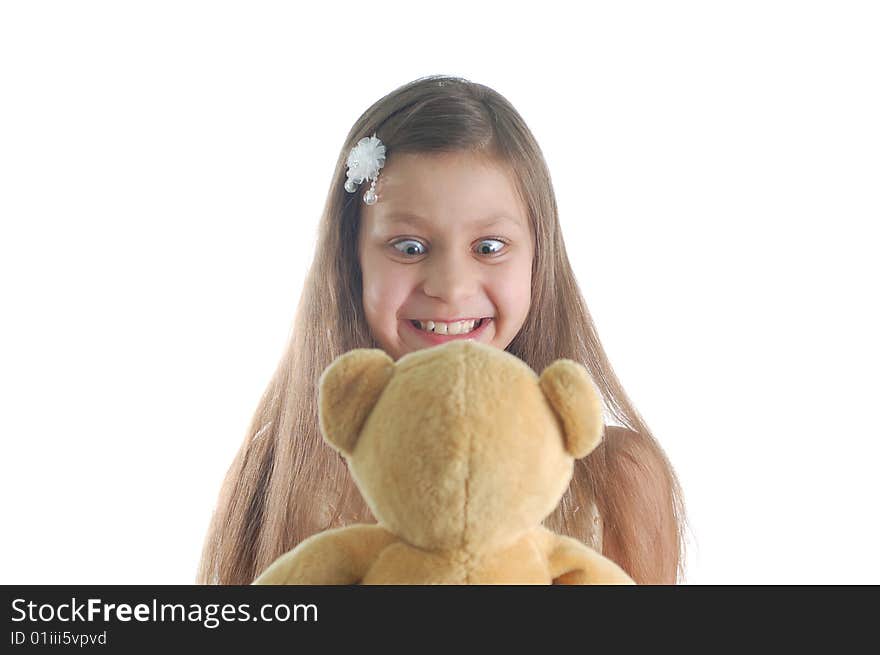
x,y
364,162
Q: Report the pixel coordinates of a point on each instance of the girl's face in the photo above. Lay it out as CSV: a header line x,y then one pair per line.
x,y
449,242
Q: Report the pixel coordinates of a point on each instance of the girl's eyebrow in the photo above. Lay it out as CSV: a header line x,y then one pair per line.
x,y
415,219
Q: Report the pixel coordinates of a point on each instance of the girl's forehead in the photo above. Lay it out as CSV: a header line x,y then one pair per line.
x,y
448,187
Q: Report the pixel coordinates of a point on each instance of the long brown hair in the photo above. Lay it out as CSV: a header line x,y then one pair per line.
x,y
285,484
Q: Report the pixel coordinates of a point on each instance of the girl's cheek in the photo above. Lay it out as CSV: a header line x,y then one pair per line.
x,y
380,281
515,287
401,283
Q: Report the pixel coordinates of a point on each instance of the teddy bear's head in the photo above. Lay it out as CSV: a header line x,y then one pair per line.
x,y
460,445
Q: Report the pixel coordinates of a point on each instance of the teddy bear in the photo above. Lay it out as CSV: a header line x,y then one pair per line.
x,y
460,450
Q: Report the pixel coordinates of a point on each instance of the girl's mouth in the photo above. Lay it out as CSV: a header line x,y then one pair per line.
x,y
432,337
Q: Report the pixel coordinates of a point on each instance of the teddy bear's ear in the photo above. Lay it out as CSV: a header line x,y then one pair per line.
x,y
569,389
347,392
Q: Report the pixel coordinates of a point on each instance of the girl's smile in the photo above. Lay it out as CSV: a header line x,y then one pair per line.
x,y
447,332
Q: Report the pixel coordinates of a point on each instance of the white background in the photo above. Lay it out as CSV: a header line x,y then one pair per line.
x,y
162,170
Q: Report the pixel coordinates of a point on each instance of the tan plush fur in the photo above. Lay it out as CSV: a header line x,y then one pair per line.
x,y
460,451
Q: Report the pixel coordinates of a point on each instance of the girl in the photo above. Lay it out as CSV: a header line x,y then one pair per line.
x,y
465,227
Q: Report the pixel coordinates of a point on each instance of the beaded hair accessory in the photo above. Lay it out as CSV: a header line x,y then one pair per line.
x,y
364,162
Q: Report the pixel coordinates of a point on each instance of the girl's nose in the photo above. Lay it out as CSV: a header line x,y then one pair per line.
x,y
451,280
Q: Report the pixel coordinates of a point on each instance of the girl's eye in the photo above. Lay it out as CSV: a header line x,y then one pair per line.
x,y
484,251
410,249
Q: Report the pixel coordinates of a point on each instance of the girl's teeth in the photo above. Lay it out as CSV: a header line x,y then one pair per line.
x,y
460,327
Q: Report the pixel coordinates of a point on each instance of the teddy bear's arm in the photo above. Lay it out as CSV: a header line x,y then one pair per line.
x,y
334,557
571,562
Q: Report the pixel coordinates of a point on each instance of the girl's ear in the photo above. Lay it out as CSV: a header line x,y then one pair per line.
x,y
347,392
569,389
